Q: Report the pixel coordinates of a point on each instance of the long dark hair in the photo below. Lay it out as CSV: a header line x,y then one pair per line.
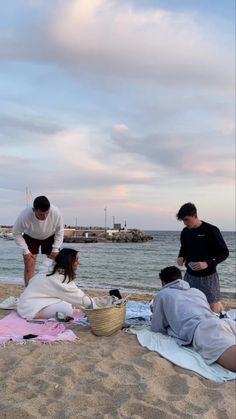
x,y
64,260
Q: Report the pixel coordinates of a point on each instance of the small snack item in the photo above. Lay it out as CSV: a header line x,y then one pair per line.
x,y
60,317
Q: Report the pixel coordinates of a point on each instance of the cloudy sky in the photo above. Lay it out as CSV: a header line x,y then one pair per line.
x,y
120,104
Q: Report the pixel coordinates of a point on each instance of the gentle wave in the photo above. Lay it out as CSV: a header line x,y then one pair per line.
x,y
128,266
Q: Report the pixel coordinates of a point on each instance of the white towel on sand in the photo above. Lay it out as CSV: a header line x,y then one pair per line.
x,y
185,357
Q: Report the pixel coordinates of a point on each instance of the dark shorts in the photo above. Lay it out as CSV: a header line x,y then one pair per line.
x,y
209,285
34,244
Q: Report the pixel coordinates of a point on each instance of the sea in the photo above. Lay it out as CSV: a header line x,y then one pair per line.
x,y
130,267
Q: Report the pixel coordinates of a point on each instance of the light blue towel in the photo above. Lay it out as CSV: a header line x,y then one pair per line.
x,y
137,313
185,357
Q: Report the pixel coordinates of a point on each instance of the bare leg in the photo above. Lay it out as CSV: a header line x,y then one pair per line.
x,y
228,359
29,261
217,307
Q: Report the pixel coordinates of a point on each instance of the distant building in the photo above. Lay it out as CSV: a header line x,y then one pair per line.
x,y
117,226
88,234
69,232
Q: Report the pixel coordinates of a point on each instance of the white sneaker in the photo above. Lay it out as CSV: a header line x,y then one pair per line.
x,y
9,303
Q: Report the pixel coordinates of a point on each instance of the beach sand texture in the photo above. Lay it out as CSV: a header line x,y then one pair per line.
x,y
103,378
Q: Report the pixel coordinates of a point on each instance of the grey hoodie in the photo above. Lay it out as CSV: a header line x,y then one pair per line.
x,y
178,309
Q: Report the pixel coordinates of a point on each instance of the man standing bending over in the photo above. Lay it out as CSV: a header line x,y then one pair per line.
x,y
40,226
202,248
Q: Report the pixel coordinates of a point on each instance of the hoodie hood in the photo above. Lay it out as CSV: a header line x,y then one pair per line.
x,y
179,284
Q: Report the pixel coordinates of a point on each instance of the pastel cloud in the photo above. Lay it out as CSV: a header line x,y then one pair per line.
x,y
113,39
74,151
156,45
107,103
214,158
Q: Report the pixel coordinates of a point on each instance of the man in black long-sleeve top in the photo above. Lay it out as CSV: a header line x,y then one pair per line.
x,y
202,248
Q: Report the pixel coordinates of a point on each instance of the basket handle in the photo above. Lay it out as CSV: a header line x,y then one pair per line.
x,y
126,298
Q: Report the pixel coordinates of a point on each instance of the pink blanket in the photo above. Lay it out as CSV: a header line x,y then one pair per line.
x,y
13,328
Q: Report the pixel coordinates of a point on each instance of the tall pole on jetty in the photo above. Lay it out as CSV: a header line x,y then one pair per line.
x,y
27,196
76,228
105,211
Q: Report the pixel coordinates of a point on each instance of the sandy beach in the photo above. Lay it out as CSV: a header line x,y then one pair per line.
x,y
103,377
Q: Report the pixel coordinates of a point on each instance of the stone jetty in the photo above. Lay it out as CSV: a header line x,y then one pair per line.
x,y
109,235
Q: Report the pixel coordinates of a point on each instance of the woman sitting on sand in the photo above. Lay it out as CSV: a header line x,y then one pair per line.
x,y
49,293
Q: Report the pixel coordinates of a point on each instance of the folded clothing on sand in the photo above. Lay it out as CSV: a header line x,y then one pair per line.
x,y
101,302
231,314
137,313
105,301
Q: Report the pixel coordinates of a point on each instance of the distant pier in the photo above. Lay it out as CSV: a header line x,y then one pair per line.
x,y
73,235
95,235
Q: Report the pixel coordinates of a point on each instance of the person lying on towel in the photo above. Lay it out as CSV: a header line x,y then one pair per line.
x,y
184,313
55,292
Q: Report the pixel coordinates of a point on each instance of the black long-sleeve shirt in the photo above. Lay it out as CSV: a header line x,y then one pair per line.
x,y
203,244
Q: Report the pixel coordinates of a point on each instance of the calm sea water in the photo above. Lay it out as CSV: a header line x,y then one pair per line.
x,y
127,266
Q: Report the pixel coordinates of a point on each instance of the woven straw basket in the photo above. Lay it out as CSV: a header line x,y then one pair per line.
x,y
106,321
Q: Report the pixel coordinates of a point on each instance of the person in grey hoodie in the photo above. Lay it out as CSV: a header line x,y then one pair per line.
x,y
184,313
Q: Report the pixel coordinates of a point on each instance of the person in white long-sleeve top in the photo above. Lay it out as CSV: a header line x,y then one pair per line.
x,y
55,291
38,227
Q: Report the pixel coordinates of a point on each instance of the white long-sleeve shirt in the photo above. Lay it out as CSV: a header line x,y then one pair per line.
x,y
44,290
29,224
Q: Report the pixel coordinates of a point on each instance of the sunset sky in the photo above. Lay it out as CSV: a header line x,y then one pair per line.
x,y
118,104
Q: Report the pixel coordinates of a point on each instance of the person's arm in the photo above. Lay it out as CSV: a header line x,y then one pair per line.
x,y
58,235
159,321
181,257
180,261
70,293
18,230
80,299
221,251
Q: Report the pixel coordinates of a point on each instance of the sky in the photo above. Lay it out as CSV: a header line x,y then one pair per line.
x,y
118,109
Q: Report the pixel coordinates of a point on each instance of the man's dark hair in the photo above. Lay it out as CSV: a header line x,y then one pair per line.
x,y
41,203
64,260
169,274
187,210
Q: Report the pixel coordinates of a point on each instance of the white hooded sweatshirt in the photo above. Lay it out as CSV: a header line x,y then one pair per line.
x,y
178,310
44,290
